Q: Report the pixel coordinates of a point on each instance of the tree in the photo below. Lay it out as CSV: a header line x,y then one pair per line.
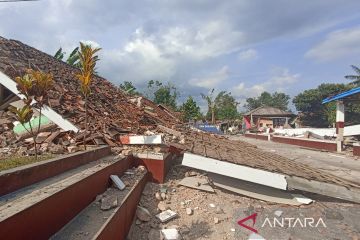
x,y
210,99
88,59
277,100
34,86
355,78
316,114
59,54
73,58
226,106
222,107
190,109
163,94
129,88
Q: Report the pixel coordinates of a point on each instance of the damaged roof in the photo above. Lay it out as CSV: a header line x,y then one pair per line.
x,y
110,109
246,154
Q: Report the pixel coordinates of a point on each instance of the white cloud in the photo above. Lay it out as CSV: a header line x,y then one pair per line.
x,y
280,80
160,55
212,80
338,44
247,55
138,61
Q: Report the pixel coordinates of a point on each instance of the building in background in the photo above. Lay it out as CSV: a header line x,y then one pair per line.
x,y
269,117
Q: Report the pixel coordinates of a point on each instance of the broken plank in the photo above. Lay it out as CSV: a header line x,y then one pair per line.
x,y
52,136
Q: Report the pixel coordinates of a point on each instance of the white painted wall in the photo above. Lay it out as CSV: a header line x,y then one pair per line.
x,y
348,131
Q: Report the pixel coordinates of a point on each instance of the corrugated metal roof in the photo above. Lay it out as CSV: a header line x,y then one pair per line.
x,y
268,111
342,95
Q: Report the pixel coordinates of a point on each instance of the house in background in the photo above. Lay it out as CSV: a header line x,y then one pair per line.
x,y
270,117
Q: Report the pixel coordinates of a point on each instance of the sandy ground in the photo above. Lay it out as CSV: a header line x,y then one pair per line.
x,y
342,165
342,219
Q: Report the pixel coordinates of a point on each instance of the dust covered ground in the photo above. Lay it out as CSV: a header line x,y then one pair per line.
x,y
216,215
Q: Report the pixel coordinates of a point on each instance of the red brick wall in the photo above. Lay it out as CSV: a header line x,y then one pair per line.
x,y
256,136
322,145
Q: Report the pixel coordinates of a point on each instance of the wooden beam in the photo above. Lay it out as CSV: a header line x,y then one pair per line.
x,y
326,189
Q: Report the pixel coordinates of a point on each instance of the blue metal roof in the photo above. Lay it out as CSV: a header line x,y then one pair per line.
x,y
342,95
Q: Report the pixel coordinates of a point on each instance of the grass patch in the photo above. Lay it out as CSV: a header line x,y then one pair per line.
x,y
17,161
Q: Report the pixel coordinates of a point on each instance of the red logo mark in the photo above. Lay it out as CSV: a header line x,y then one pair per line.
x,y
253,217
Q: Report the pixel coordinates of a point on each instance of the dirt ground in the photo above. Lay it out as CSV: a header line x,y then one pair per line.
x,y
343,165
216,215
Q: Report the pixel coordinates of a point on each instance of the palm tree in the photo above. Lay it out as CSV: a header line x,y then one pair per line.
x,y
355,78
211,104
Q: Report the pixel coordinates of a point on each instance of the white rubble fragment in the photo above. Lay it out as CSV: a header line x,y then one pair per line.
x,y
166,215
189,211
117,181
170,234
255,236
278,213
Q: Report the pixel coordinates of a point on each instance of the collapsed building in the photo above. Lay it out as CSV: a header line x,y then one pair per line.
x,y
124,123
111,111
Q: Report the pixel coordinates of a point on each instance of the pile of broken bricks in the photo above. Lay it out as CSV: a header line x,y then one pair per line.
x,y
112,113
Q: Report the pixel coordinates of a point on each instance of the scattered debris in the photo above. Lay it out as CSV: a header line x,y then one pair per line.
x,y
189,211
197,183
143,214
166,215
117,181
109,202
154,234
170,234
162,206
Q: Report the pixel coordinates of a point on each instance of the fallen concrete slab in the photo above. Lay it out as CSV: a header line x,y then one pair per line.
x,y
258,191
271,179
258,176
327,189
197,183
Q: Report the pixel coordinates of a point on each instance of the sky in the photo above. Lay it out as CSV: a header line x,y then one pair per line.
x,y
241,46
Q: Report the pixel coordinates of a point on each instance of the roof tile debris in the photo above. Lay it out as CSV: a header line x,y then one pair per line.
x,y
246,154
111,111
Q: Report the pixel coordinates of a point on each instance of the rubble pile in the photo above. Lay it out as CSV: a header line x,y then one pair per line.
x,y
199,214
246,154
111,112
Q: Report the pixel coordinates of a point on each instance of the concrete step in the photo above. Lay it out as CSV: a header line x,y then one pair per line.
x,y
42,209
16,178
97,223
